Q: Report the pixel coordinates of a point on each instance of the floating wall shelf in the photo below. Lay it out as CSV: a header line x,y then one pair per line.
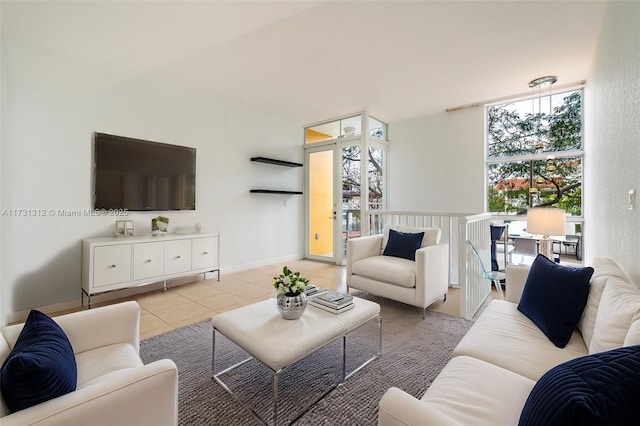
x,y
274,191
276,162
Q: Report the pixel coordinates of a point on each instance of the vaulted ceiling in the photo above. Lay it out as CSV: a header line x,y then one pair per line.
x,y
306,61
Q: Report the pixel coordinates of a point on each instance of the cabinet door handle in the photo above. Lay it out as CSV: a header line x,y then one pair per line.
x,y
148,261
178,257
113,265
206,252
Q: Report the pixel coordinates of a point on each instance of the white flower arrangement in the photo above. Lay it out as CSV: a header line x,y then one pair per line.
x,y
289,283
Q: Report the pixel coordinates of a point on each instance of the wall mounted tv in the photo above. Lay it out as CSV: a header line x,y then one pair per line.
x,y
140,175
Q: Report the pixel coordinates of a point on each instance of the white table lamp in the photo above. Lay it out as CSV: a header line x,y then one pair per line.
x,y
546,221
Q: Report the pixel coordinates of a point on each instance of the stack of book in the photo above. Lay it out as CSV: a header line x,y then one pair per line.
x,y
312,289
332,301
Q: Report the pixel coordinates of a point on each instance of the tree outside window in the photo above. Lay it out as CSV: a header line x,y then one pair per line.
x,y
534,155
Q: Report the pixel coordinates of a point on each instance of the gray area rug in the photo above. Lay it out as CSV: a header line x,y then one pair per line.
x,y
414,350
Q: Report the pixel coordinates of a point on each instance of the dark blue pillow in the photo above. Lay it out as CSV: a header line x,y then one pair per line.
x,y
554,297
41,365
403,244
599,389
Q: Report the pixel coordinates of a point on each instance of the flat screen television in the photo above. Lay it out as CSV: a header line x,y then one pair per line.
x,y
140,175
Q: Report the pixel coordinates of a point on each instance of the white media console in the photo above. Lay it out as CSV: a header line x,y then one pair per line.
x,y
110,264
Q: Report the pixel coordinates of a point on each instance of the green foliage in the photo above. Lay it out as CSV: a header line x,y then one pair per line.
x,y
514,132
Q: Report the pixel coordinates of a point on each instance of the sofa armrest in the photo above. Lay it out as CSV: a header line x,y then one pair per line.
x,y
432,273
399,408
94,328
361,247
147,395
97,327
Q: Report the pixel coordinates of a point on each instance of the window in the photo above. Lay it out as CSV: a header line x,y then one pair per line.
x,y
534,154
342,128
345,128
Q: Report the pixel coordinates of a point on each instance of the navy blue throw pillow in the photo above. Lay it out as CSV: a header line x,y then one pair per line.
x,y
554,297
40,367
403,244
599,389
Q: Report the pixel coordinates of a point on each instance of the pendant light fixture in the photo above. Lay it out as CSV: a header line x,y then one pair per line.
x,y
539,83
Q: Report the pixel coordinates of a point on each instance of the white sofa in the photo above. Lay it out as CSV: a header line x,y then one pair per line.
x,y
114,387
419,283
497,363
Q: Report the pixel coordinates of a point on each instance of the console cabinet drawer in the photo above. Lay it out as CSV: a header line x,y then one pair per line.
x,y
111,265
177,256
148,260
204,253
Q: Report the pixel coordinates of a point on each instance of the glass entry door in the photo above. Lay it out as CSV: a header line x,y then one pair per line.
x,y
345,177
333,205
322,203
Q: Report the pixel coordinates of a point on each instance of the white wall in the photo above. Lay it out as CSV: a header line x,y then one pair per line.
x,y
612,140
436,163
3,88
52,111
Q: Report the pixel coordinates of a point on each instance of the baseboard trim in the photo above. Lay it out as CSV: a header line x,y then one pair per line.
x,y
251,265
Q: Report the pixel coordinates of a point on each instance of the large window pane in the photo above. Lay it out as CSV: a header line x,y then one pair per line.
x,y
514,186
351,194
534,154
526,127
375,178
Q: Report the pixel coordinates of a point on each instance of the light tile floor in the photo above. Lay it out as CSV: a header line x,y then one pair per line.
x,y
185,304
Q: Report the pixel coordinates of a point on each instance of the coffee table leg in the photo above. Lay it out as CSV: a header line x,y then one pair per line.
x,y
379,335
213,354
344,358
276,376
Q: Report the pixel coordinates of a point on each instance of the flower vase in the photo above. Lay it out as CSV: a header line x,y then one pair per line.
x,y
292,307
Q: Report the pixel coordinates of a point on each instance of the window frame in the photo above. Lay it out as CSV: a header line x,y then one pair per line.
x,y
534,156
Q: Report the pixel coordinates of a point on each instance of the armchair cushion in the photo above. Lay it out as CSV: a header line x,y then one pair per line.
x,y
554,297
387,269
403,244
41,366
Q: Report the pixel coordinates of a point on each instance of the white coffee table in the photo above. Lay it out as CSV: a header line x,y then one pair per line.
x,y
277,343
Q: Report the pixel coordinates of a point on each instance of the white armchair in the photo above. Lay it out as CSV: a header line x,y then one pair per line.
x,y
114,386
419,283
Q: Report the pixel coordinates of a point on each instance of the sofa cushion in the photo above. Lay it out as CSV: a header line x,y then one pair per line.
x,y
472,392
597,389
431,235
389,269
403,244
619,308
603,270
40,367
505,337
633,335
554,297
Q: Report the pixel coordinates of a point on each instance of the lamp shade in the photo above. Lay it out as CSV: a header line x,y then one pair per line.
x,y
546,221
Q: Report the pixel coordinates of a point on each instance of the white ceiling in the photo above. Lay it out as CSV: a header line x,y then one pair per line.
x,y
307,61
